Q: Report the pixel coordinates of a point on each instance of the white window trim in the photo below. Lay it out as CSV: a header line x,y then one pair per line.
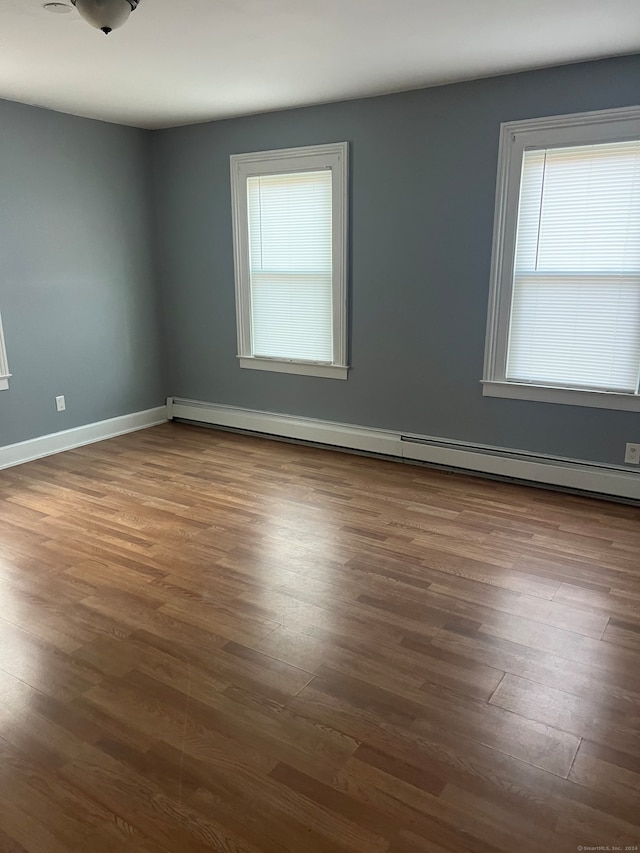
x,y
334,156
302,368
4,364
575,129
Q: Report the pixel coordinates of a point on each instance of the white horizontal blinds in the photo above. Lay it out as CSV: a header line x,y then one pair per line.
x,y
575,315
290,262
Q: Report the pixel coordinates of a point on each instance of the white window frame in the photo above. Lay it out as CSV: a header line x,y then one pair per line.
x,y
334,156
4,364
589,128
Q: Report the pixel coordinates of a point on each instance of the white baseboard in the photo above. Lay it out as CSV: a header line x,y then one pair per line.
x,y
47,445
519,465
546,470
288,426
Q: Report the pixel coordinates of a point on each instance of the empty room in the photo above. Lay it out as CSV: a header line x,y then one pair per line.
x,y
319,426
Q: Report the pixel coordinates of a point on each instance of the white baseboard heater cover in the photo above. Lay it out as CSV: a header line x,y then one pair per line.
x,y
594,478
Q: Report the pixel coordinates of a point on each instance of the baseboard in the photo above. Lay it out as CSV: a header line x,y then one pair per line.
x,y
571,474
47,445
561,473
288,426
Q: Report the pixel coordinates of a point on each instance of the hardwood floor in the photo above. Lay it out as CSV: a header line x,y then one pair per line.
x,y
216,642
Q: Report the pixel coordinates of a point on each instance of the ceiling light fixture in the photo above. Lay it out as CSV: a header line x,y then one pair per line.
x,y
58,8
105,15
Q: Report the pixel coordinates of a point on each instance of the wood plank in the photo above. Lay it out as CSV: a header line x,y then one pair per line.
x,y
578,715
215,642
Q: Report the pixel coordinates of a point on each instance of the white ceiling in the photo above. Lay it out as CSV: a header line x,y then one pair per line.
x,y
182,61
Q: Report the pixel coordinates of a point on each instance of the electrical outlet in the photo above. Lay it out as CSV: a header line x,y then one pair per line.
x,y
60,404
632,456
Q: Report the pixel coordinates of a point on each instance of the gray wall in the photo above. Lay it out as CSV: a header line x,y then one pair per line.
x,y
78,293
423,168
81,268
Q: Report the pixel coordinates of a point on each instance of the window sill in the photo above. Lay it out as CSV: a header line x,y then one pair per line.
x,y
302,368
4,382
564,396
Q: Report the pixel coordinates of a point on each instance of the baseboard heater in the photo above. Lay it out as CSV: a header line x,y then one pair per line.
x,y
595,479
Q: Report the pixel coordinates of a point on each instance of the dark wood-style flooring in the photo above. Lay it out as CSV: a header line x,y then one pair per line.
x,y
212,642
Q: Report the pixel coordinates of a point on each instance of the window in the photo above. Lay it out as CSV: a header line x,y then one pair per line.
x,y
4,366
564,312
290,252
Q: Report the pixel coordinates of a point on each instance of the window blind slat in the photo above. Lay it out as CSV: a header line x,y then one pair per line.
x,y
290,262
575,317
